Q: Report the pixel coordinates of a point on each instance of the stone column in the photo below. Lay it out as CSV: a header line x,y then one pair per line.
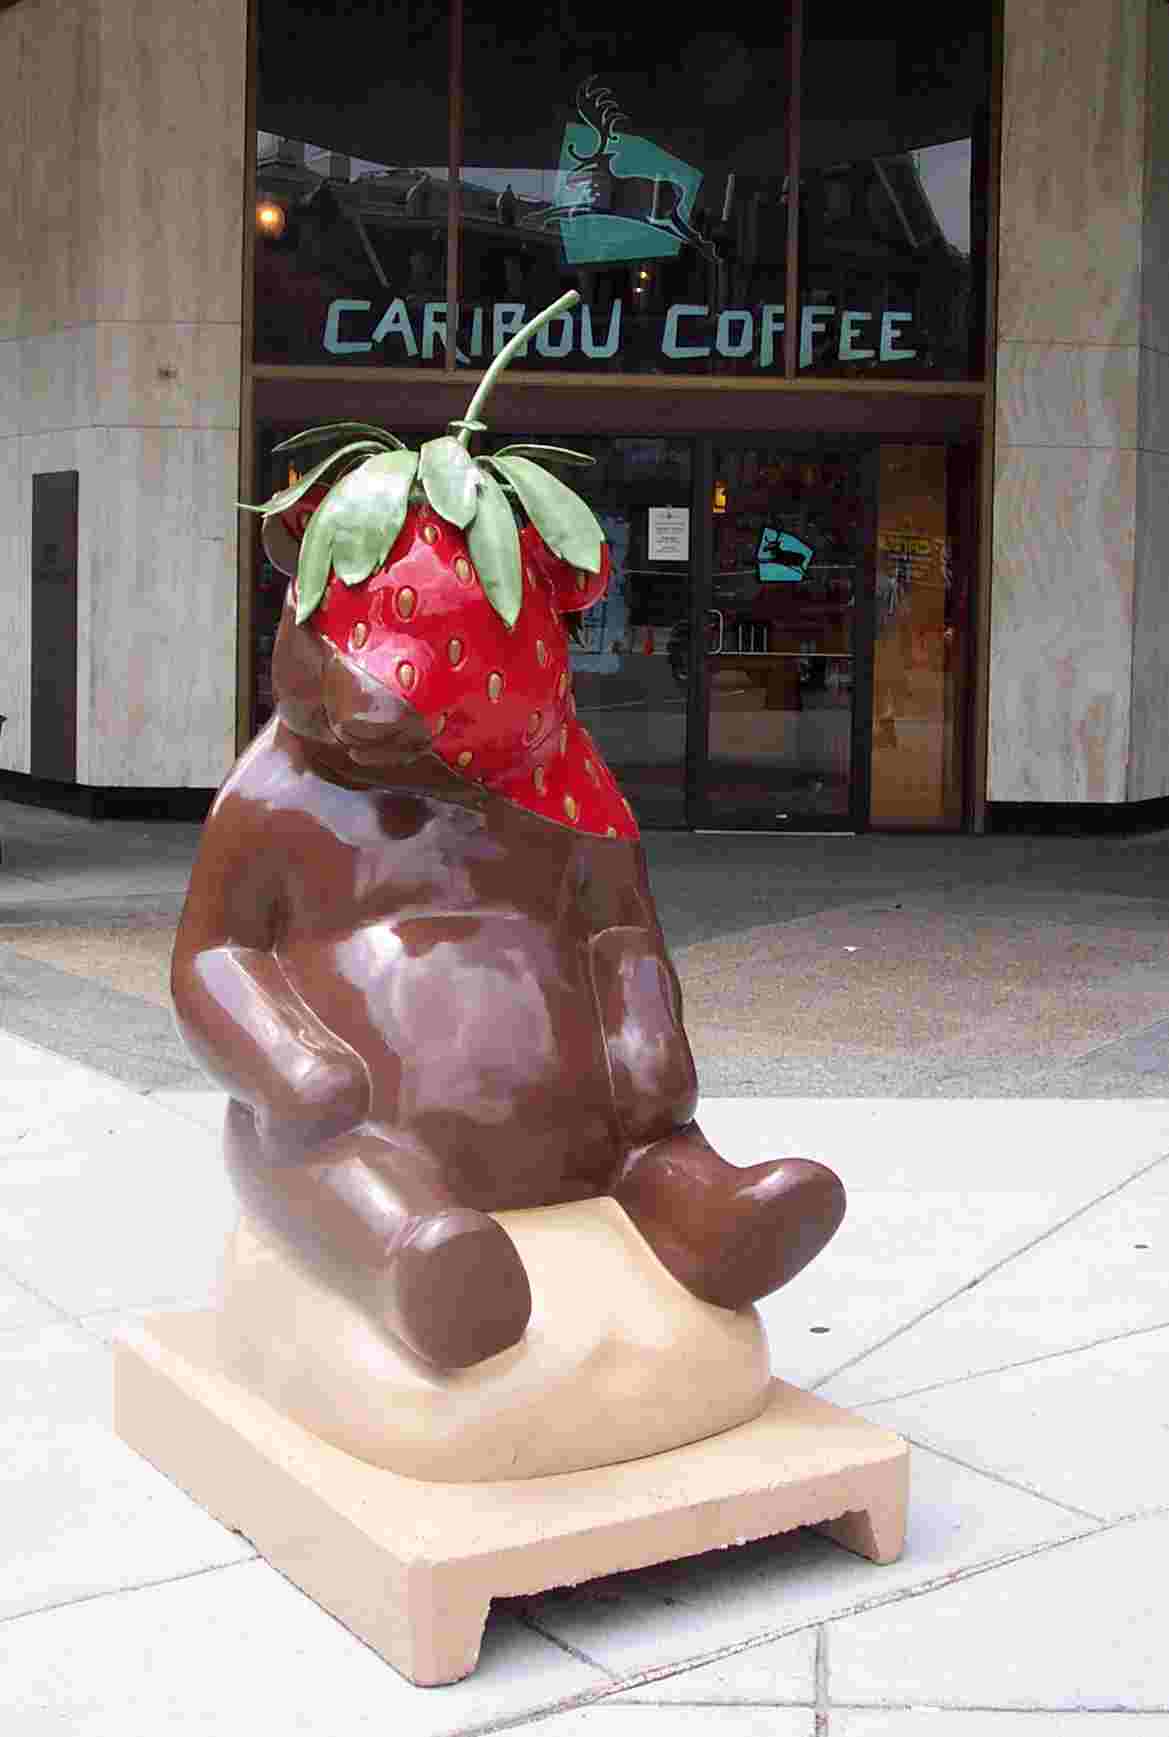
x,y
1079,688
122,131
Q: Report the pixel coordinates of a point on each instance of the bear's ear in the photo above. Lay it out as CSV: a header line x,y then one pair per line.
x,y
281,534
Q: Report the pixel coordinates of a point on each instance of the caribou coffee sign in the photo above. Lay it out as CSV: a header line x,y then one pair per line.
x,y
621,197
687,332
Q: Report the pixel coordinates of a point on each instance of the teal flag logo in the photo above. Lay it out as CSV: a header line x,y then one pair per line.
x,y
782,558
620,196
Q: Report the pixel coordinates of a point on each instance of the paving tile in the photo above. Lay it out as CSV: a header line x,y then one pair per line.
x,y
139,1216
1090,1428
1079,1627
691,1609
1075,1150
938,1193
79,1512
779,1671
907,1722
205,1107
1104,1274
242,1650
632,1719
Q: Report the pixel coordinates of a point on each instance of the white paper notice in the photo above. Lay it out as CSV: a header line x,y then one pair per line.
x,y
669,534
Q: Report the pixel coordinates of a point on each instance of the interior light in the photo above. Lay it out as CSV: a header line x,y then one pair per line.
x,y
719,504
270,219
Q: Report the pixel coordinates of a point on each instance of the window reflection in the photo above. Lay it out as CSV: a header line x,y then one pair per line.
x,y
891,222
351,266
645,170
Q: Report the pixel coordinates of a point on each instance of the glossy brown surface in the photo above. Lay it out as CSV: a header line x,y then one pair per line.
x,y
428,1004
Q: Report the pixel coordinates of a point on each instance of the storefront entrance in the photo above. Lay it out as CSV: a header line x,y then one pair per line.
x,y
784,643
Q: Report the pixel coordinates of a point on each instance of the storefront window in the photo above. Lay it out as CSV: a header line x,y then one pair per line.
x,y
645,167
891,226
351,193
640,165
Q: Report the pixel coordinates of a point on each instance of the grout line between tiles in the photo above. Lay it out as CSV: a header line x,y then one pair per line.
x,y
1023,1363
1009,1483
138,1586
40,1297
582,1658
995,1267
994,1707
820,1681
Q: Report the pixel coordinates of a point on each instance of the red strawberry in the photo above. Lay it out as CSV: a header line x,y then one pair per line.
x,y
482,657
573,587
497,700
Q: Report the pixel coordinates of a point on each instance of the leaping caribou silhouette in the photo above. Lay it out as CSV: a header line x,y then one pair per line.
x,y
595,189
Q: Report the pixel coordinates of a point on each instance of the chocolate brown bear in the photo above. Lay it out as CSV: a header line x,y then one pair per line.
x,y
420,950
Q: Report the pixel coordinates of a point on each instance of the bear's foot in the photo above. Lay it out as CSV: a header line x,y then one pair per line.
x,y
456,1291
729,1235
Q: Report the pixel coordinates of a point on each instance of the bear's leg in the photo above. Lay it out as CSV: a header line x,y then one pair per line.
x,y
377,1224
729,1235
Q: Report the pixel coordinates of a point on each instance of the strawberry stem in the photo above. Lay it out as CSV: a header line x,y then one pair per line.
x,y
467,426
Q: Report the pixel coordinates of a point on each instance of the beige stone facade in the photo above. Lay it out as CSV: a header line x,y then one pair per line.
x,y
1079,671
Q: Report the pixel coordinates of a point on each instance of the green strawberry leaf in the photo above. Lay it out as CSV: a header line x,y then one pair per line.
x,y
367,510
317,436
547,454
451,480
494,545
315,559
285,498
561,517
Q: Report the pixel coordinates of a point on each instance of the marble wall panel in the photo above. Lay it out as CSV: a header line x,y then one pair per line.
x,y
162,624
1148,771
13,27
171,152
57,218
57,380
11,357
1067,394
1155,234
14,616
167,376
1072,170
1061,624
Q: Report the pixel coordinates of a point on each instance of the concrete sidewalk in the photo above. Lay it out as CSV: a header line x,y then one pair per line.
x,y
998,1294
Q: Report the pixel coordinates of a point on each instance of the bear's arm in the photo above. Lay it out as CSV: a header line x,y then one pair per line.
x,y
236,1010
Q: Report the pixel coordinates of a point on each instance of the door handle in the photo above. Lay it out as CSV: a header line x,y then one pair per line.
x,y
719,622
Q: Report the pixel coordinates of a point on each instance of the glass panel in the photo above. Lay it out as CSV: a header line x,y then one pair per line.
x,y
892,219
351,188
925,548
792,543
642,167
629,661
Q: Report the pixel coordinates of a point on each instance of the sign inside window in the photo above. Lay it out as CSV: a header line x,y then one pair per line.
x,y
686,331
669,534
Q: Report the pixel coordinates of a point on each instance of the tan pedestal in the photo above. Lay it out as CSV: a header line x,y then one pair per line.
x,y
411,1566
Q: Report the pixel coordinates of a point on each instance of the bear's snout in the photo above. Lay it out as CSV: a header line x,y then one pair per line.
x,y
366,717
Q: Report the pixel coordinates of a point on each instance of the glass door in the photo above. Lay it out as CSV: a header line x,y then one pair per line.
x,y
785,637
629,652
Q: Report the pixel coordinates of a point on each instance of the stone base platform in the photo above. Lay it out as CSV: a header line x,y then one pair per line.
x,y
411,1566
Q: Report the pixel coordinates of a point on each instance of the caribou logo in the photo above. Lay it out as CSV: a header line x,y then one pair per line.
x,y
621,197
